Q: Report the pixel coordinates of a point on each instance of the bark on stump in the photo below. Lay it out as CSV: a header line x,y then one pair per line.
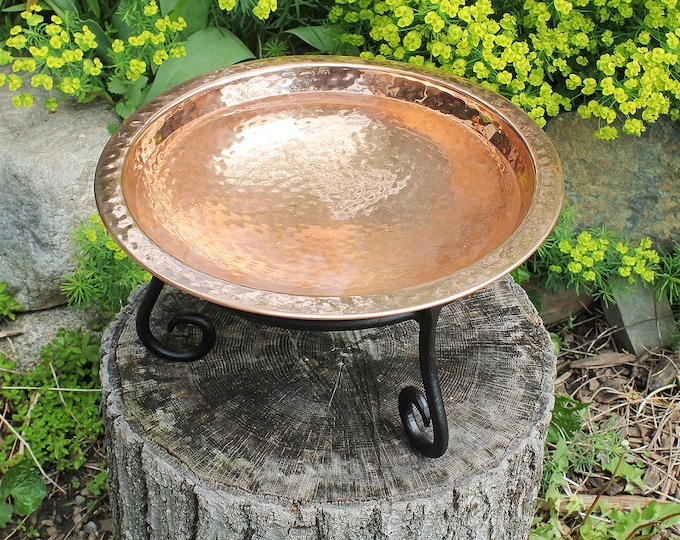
x,y
296,435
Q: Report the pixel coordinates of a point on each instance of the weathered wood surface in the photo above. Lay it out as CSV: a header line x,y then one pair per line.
x,y
286,434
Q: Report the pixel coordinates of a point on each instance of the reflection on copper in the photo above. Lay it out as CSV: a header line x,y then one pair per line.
x,y
285,187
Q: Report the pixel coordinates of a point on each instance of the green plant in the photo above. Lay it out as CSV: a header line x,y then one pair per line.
x,y
131,50
104,275
596,260
668,277
21,492
8,306
52,412
99,483
610,58
571,451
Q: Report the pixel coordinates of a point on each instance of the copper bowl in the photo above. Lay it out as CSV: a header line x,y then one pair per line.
x,y
329,188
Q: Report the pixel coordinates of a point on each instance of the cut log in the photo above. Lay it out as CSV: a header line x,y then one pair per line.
x,y
289,434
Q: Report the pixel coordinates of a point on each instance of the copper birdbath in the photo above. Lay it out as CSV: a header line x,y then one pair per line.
x,y
329,193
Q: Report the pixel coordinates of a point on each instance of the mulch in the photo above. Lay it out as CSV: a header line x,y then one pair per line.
x,y
638,398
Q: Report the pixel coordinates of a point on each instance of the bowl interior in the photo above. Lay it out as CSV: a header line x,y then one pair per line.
x,y
358,183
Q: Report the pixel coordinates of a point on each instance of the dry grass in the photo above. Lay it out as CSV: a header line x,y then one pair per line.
x,y
639,398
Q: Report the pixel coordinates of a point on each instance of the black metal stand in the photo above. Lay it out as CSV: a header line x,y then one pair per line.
x,y
430,406
176,354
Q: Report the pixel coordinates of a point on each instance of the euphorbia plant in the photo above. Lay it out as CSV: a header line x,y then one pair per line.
x,y
611,59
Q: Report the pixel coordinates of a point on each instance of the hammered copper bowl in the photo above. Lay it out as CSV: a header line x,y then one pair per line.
x,y
329,188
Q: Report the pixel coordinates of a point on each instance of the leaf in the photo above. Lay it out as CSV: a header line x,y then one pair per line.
x,y
207,50
195,13
318,37
25,486
565,417
135,95
94,7
6,511
14,9
60,6
521,274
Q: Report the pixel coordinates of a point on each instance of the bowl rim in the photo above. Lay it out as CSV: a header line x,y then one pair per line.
x,y
533,229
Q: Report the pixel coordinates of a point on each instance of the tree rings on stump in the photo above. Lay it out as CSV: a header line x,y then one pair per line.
x,y
292,434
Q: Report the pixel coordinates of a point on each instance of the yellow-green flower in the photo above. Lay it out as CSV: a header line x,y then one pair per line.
x,y
264,8
22,100
151,8
32,19
86,39
574,267
178,51
412,41
435,21
160,56
589,275
624,271
14,82
117,46
51,103
622,248
5,57
42,79
17,42
39,53
92,66
54,62
70,85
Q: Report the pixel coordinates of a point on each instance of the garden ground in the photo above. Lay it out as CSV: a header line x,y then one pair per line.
x,y
636,398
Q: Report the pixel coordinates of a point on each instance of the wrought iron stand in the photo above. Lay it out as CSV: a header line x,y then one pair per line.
x,y
430,406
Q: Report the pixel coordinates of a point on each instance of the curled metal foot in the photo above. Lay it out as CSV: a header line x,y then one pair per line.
x,y
430,406
176,354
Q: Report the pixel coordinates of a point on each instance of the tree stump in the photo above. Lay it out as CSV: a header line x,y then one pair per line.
x,y
296,435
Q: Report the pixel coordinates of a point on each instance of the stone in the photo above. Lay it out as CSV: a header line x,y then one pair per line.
x,y
557,306
629,185
644,322
22,340
47,164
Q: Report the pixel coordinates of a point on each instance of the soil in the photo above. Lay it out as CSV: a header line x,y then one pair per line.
x,y
639,398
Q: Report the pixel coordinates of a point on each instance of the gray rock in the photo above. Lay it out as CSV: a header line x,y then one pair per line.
x,y
47,163
630,185
644,322
22,340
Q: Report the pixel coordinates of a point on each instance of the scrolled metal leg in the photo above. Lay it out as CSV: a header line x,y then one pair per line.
x,y
430,406
176,354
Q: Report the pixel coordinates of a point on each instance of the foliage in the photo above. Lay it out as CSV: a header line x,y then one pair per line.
x,y
21,491
669,276
51,414
295,25
132,52
104,275
596,260
98,484
570,450
8,305
56,406
612,58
